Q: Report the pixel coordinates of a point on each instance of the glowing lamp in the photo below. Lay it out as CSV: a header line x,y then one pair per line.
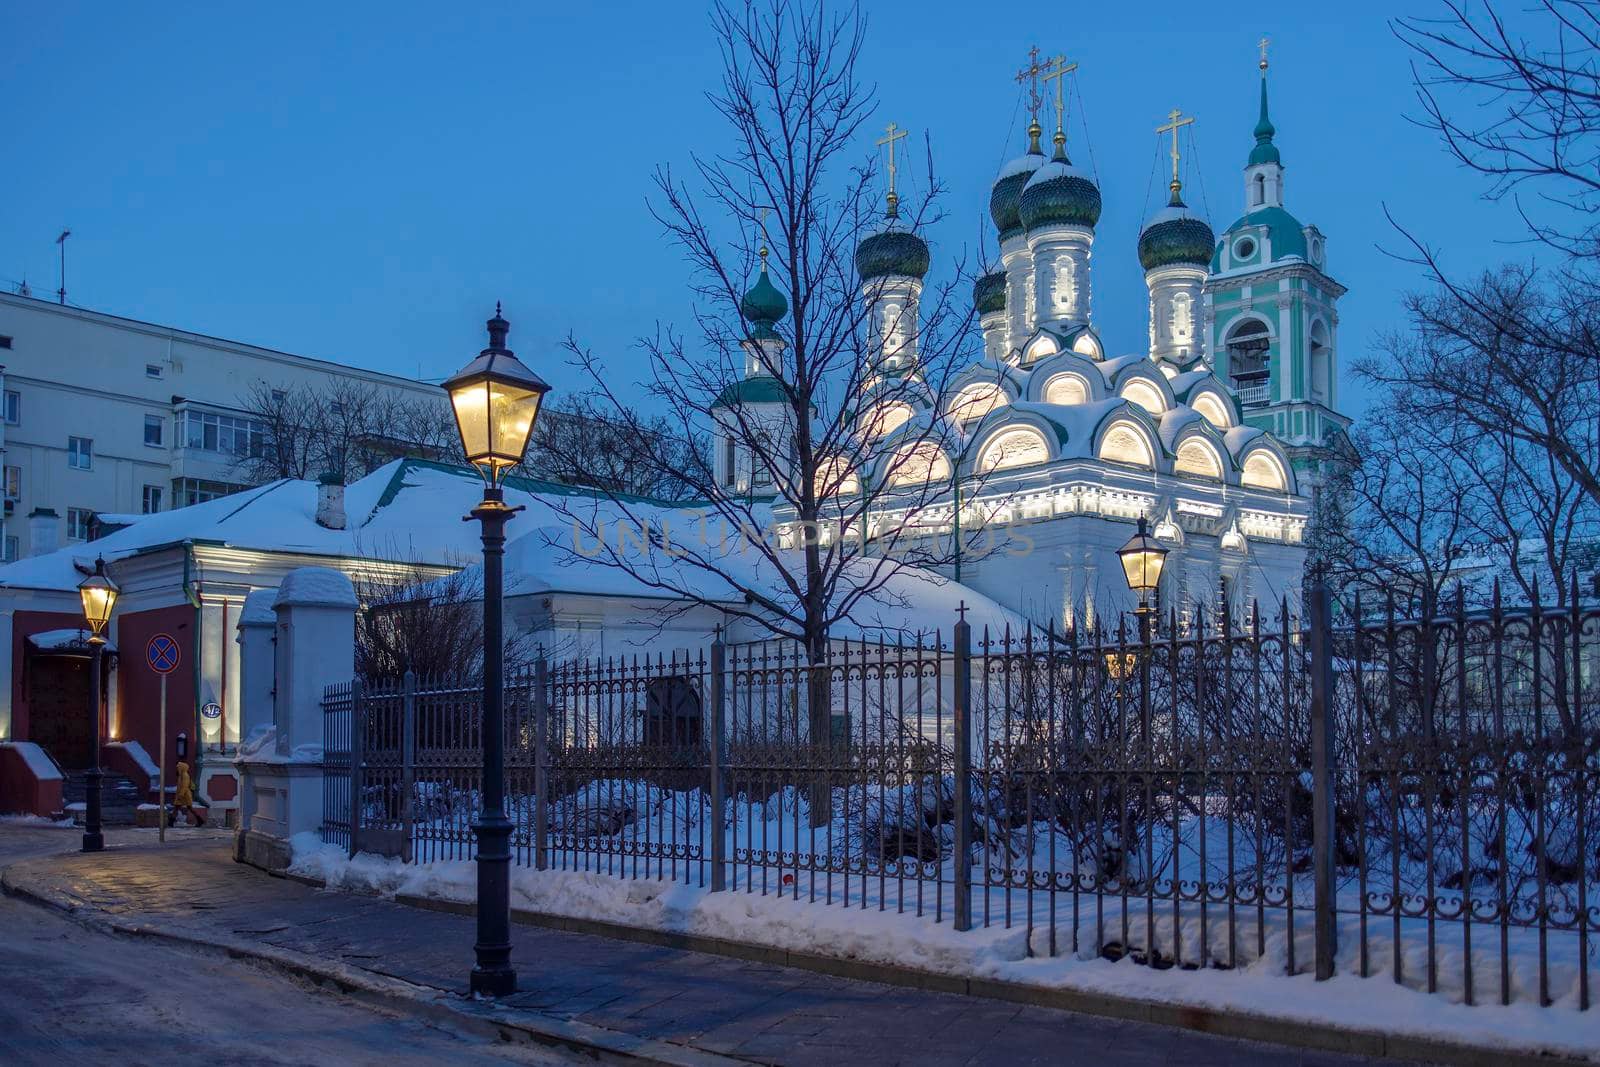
x,y
99,595
1142,558
496,402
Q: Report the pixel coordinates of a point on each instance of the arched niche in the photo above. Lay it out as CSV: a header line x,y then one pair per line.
x,y
1126,443
1145,394
1197,457
917,465
1015,446
1066,388
1262,470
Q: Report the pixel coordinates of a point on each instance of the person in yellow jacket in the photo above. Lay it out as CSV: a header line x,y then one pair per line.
x,y
184,799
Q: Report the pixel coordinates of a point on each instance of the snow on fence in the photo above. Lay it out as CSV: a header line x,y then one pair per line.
x,y
1412,798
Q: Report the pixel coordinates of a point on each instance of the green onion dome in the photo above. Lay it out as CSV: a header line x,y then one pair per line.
x,y
1059,194
891,251
761,389
1005,197
989,293
1176,235
764,305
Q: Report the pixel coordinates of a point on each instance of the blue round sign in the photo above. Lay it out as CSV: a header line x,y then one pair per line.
x,y
162,654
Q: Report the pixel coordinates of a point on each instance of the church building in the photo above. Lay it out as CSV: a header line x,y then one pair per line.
x,y
1047,449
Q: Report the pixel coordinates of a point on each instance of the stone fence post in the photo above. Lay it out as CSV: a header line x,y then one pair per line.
x,y
313,647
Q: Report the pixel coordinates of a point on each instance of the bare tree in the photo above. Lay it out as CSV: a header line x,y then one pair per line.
x,y
343,426
431,625
794,175
1408,524
577,442
1518,101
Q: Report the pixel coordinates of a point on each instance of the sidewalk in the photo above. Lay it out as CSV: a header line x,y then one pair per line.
x,y
620,999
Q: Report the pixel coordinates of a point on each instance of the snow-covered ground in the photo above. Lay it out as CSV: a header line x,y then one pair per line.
x,y
862,931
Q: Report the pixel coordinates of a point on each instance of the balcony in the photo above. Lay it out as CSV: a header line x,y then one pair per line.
x,y
1257,392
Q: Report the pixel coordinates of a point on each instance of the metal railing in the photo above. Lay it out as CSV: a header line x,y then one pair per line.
x,y
1215,792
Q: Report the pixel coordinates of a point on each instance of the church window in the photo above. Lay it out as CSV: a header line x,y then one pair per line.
x,y
1198,458
1248,343
1244,248
835,477
1086,345
1321,364
884,420
1124,443
1260,193
1066,286
1212,409
1146,395
1066,389
1263,471
1043,345
730,461
976,401
1182,318
1013,448
918,464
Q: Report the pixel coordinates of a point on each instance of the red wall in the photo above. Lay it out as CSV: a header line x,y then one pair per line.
x,y
24,624
20,791
139,688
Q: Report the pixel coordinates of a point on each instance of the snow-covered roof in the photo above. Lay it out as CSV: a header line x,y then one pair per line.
x,y
904,600
407,511
57,640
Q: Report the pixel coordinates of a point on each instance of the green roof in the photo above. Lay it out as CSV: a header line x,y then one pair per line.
x,y
762,389
1059,194
1264,151
989,293
1287,235
892,251
1176,235
764,305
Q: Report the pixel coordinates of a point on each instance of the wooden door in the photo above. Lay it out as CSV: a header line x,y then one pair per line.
x,y
58,709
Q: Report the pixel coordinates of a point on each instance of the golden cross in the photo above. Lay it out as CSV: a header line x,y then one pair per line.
x,y
761,220
1032,71
1174,124
891,134
1263,44
1059,69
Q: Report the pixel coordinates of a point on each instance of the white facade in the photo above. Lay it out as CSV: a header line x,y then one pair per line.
x,y
100,412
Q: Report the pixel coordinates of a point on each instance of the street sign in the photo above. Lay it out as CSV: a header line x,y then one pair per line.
x,y
162,654
212,710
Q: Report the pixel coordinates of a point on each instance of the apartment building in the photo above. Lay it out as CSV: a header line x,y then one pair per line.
x,y
107,415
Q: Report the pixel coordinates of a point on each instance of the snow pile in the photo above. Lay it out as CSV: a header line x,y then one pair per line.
x,y
866,933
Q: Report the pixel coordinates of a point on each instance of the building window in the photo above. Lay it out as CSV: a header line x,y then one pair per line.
x,y
152,429
78,520
5,342
11,548
730,461
80,453
227,434
190,491
13,407
152,499
13,484
152,370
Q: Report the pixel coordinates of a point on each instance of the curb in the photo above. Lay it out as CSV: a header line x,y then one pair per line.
x,y
483,1018
1292,1033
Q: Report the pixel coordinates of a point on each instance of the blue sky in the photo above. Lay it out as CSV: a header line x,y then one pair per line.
x,y
362,182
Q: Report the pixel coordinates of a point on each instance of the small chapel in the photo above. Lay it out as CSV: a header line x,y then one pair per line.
x,y
1217,434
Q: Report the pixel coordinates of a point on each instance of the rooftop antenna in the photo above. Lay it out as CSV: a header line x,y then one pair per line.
x,y
61,293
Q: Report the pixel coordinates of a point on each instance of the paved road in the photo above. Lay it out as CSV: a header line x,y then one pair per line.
x,y
751,1011
75,995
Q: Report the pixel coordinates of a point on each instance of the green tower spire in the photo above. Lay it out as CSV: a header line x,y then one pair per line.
x,y
1264,151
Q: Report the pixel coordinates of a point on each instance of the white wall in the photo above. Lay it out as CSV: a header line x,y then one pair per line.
x,y
82,373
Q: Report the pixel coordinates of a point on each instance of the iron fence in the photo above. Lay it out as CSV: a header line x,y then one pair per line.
x,y
1409,796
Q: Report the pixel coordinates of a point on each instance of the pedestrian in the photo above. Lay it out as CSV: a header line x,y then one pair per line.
x,y
184,800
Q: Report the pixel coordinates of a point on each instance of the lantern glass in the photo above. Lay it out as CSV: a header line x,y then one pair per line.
x,y
99,596
1142,559
496,402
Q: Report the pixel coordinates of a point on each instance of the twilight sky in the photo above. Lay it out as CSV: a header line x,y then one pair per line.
x,y
361,182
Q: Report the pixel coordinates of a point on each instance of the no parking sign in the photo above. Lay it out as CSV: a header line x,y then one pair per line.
x,y
162,654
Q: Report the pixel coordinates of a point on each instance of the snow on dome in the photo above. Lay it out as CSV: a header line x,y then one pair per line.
x,y
320,587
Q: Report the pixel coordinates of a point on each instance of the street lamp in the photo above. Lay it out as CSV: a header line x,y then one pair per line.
x,y
496,400
99,595
1142,558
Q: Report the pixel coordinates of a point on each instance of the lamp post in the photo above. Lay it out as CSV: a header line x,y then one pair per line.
x,y
99,595
496,400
